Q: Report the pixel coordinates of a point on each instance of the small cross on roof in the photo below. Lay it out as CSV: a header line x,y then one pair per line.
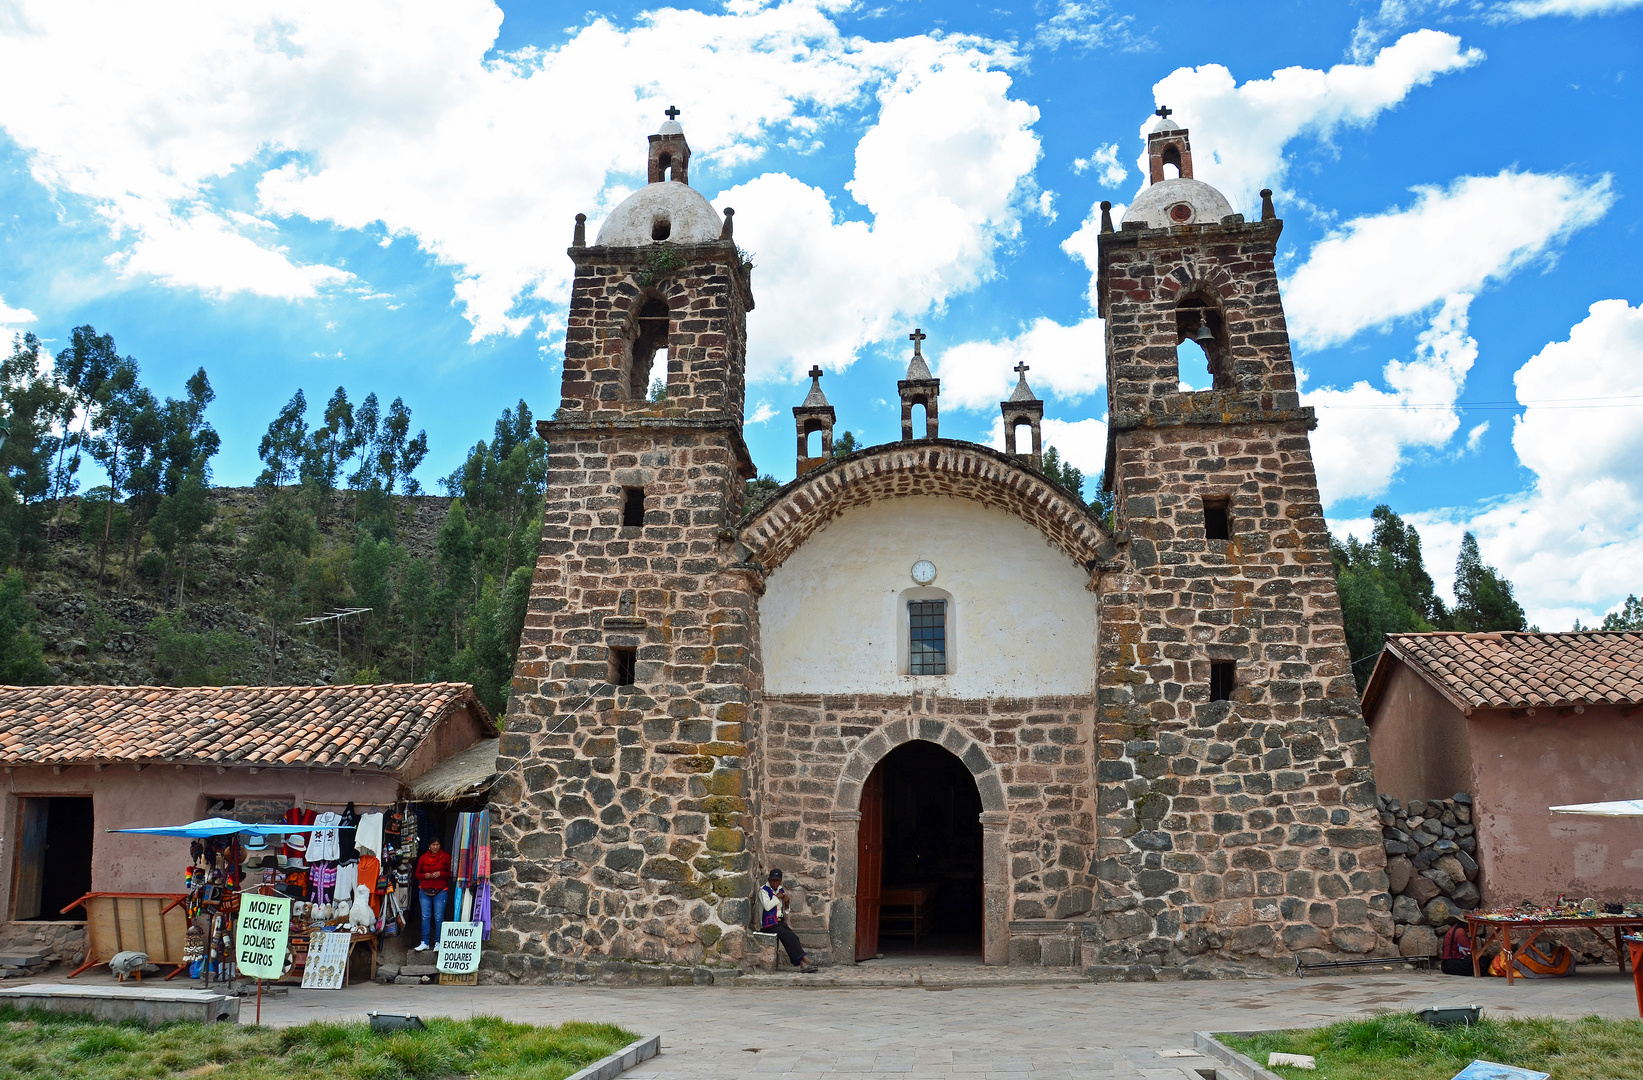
x,y
815,371
672,113
915,337
1163,110
1022,369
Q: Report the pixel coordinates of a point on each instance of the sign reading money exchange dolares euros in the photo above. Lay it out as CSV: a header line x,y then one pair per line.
x,y
262,936
459,947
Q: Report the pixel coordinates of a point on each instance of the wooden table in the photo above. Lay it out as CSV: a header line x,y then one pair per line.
x,y
1479,927
916,899
151,923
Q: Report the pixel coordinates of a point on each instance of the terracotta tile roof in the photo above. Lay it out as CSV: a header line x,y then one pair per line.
x,y
1519,671
361,727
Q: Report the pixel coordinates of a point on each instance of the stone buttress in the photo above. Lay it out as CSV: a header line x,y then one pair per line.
x,y
1237,807
618,821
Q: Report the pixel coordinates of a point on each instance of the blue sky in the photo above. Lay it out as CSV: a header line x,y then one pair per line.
x,y
378,195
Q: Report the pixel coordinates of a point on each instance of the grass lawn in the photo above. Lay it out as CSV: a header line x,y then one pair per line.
x,y
1399,1045
56,1046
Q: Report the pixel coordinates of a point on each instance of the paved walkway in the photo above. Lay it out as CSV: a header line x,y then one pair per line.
x,y
1111,1031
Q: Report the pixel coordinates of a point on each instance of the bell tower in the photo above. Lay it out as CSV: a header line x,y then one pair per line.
x,y
618,817
1238,813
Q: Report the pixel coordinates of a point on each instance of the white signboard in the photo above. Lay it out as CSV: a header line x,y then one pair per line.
x,y
327,960
459,947
261,938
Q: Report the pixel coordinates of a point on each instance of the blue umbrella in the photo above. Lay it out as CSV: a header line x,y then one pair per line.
x,y
218,826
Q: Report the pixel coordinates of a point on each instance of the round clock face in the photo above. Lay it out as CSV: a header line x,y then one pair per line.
x,y
924,571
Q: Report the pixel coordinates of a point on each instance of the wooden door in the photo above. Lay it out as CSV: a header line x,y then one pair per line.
x,y
870,865
31,858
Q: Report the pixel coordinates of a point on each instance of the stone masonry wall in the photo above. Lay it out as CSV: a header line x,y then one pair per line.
x,y
1038,749
1242,830
618,832
618,825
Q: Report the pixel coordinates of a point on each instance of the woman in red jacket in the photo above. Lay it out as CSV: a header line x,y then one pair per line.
x,y
433,873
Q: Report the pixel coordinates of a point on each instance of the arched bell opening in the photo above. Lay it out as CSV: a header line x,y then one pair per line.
x,y
1201,342
648,338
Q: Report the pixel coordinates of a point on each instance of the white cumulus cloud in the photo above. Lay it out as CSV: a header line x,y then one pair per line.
x,y
1365,433
1382,267
396,115
1082,442
1533,9
11,318
1239,131
1571,543
1105,159
935,229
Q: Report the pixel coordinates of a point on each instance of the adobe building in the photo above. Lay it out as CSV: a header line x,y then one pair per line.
x,y
80,761
923,680
1520,722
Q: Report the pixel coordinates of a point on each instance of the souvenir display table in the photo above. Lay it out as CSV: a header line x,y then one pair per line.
x,y
1530,925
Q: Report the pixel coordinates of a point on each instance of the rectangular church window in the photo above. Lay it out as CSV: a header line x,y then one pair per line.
x,y
1221,680
927,625
621,665
1217,524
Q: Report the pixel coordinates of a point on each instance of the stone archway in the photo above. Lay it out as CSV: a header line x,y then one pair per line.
x,y
995,878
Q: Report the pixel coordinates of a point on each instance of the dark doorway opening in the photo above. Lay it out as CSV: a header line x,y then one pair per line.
x,y
929,838
53,857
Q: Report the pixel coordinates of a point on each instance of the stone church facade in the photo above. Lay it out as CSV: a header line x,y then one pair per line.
x,y
922,670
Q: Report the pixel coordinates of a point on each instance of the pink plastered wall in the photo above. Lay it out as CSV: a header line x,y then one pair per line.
x,y
1521,767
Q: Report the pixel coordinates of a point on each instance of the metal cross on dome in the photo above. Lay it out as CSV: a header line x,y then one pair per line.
x,y
672,113
1163,110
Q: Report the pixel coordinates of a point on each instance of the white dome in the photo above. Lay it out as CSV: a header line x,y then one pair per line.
x,y
1177,201
689,217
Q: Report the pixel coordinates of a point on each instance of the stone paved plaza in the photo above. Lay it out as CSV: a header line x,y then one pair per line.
x,y
1113,1031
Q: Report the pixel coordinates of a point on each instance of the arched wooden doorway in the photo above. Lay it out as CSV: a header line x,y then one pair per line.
x,y
919,859
856,808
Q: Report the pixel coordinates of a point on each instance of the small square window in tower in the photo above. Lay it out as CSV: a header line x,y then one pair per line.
x,y
1217,522
622,663
1221,679
927,637
633,508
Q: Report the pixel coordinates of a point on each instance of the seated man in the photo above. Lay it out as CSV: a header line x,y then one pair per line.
x,y
773,920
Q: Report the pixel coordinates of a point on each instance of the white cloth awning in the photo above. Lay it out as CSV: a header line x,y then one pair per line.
x,y
1622,808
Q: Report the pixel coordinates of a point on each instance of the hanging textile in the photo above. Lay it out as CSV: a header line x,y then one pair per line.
x,y
347,829
369,835
323,845
369,876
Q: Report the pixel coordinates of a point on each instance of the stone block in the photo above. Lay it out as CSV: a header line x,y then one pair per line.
x,y
1421,889
1418,941
1398,871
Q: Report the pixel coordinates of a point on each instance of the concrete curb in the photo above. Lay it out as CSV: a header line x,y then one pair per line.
x,y
1206,1043
620,1062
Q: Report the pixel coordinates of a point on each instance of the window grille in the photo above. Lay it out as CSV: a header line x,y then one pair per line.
x,y
927,625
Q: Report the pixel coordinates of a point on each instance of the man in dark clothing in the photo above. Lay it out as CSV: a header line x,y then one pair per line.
x,y
773,920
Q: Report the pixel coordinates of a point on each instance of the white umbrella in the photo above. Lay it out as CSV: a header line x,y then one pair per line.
x,y
1622,808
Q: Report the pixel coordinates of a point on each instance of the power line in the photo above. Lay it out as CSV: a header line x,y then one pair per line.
x,y
1617,401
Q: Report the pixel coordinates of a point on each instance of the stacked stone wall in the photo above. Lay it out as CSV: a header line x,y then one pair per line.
x,y
1242,829
1431,867
1033,756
